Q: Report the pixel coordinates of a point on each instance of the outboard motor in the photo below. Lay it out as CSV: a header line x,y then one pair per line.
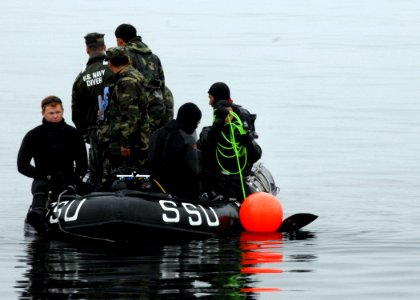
x,y
261,180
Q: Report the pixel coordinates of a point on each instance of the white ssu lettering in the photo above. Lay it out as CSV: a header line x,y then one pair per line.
x,y
172,213
192,211
64,207
173,209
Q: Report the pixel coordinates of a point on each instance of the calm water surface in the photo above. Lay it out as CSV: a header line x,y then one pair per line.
x,y
336,89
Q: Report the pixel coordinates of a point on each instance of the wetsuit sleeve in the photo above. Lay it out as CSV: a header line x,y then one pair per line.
x,y
254,152
25,155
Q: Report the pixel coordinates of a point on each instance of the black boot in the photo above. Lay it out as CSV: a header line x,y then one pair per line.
x,y
37,213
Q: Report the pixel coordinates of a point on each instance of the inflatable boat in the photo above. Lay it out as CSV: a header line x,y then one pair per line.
x,y
131,214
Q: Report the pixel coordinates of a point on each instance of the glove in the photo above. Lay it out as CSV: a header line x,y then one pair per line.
x,y
244,139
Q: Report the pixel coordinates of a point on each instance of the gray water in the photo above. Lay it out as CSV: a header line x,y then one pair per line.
x,y
336,88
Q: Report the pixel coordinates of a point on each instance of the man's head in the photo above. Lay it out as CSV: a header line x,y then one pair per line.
x,y
52,109
219,91
95,42
125,33
117,57
189,115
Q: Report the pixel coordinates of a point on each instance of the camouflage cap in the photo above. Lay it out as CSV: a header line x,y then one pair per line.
x,y
116,53
94,39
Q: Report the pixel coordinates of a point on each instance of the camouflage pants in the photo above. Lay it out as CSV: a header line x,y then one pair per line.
x,y
102,145
112,160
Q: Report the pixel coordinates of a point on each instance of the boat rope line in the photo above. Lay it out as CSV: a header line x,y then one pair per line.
x,y
233,149
76,234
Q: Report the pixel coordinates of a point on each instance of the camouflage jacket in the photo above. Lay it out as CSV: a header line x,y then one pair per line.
x,y
147,63
86,88
160,97
128,121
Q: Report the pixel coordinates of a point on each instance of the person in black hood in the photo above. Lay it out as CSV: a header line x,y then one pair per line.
x,y
173,154
60,160
228,147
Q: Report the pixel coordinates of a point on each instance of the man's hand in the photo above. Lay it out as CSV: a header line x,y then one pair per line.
x,y
125,151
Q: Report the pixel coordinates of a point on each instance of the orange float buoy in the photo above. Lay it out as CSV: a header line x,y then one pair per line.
x,y
261,212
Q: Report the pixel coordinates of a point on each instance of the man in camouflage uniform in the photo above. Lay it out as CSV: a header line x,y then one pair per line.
x,y
161,106
89,84
126,134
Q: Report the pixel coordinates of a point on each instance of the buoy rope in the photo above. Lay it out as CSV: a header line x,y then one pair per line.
x,y
238,150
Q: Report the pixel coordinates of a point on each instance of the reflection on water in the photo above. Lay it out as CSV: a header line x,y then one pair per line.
x,y
153,271
263,253
261,250
216,268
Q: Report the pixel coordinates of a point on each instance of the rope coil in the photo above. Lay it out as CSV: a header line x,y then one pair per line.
x,y
229,148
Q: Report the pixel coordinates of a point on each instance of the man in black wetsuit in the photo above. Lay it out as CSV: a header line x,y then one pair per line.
x,y
173,154
228,147
60,159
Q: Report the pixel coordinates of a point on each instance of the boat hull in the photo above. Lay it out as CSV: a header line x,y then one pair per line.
x,y
132,215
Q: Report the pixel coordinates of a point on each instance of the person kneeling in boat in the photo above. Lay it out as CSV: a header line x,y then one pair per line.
x,y
55,147
228,147
173,154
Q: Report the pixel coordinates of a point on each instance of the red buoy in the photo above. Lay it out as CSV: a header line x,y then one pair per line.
x,y
261,212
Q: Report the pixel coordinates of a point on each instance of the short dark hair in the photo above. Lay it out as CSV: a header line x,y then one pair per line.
x,y
126,32
96,48
119,61
51,101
